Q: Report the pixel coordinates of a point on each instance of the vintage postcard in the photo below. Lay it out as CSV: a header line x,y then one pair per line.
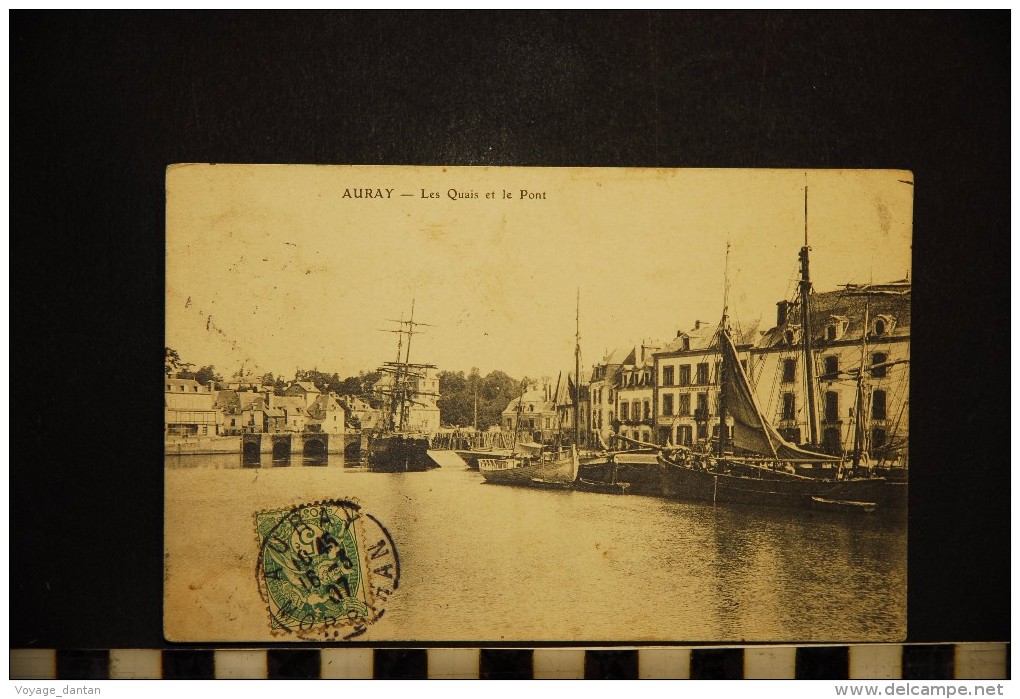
x,y
480,404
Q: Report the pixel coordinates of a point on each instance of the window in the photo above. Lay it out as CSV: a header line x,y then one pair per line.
x,y
702,430
684,435
830,441
685,375
877,438
878,358
667,376
789,370
830,332
831,367
703,373
548,423
667,404
878,405
789,407
624,411
685,404
702,409
635,410
880,327
831,406
531,423
686,344
647,405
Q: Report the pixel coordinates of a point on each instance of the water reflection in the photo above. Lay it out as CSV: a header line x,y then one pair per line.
x,y
501,563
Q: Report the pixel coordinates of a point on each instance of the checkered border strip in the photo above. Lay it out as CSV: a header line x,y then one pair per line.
x,y
872,661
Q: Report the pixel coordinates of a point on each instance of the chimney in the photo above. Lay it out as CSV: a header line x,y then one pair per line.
x,y
697,325
782,308
679,333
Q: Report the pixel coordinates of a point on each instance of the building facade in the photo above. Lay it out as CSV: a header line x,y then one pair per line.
x,y
635,394
860,337
533,416
188,409
605,377
687,384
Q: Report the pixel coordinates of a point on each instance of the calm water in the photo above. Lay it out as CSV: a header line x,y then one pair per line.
x,y
488,562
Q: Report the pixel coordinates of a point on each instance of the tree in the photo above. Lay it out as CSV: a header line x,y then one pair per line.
x,y
206,374
172,362
455,406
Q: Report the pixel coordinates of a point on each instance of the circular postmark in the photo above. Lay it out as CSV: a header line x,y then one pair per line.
x,y
325,570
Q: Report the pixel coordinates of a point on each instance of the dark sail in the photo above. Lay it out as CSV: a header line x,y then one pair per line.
x,y
751,431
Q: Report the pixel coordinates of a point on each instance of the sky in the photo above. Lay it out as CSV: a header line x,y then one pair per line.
x,y
273,268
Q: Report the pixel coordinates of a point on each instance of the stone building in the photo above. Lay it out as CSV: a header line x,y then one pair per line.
x,y
602,387
538,418
635,393
687,383
854,328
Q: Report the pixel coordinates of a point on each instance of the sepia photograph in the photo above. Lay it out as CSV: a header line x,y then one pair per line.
x,y
520,405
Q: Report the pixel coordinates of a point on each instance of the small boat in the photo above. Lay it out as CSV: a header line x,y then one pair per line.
x,y
587,486
531,466
827,505
471,456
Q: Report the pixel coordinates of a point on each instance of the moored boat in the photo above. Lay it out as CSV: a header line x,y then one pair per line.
x,y
471,456
827,505
615,488
531,465
393,452
400,445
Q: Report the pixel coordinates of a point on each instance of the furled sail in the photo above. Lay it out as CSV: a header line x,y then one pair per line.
x,y
751,431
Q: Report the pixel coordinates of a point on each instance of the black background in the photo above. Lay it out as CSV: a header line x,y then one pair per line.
x,y
102,102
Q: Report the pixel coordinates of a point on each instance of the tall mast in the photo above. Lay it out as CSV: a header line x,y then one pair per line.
x,y
577,369
805,332
396,377
723,330
407,368
722,364
859,404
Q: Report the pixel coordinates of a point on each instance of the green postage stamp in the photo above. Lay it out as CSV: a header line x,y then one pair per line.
x,y
325,570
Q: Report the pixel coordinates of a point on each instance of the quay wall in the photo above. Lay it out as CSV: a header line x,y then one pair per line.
x,y
176,446
202,445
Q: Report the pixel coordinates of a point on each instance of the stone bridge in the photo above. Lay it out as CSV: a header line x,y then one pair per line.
x,y
283,445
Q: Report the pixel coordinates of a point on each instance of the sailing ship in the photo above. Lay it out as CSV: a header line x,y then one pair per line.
x,y
531,464
400,446
762,467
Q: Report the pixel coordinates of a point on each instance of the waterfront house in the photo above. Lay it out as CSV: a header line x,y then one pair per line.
x,y
188,408
858,326
326,414
538,417
361,413
686,402
602,393
635,393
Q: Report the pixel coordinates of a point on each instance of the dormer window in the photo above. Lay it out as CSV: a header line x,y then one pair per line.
x,y
792,335
882,325
686,344
835,327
